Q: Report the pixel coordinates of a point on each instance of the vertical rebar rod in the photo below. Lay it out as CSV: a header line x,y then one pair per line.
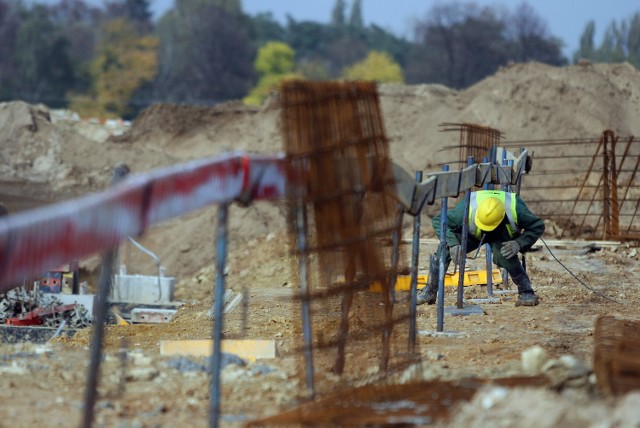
x,y
415,255
633,176
505,188
100,317
441,273
621,166
303,274
218,316
606,190
489,266
519,177
615,208
465,238
584,182
390,298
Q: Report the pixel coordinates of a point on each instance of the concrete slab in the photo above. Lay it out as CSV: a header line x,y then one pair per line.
x,y
503,292
248,349
142,289
485,300
466,310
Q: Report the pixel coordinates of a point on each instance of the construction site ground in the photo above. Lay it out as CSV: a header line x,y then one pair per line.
x,y
46,159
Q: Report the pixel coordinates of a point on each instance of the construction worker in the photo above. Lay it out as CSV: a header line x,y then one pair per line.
x,y
500,219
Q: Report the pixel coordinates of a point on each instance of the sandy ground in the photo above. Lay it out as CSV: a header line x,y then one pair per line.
x,y
44,162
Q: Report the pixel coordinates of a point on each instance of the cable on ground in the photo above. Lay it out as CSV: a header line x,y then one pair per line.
x,y
578,279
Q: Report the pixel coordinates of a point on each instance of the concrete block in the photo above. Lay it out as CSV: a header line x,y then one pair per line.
x,y
248,349
142,288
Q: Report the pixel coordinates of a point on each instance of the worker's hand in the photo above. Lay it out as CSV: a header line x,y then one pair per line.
x,y
456,253
510,249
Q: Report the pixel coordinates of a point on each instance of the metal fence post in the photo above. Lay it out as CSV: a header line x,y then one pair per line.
x,y
301,233
465,237
443,243
218,316
415,255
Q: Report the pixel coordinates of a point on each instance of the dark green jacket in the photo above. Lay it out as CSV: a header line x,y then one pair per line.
x,y
531,226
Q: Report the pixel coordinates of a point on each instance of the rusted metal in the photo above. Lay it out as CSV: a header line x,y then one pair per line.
x,y
594,191
616,356
335,141
419,403
475,140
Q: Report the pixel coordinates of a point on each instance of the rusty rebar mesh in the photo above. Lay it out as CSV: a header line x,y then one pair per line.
x,y
410,404
334,136
338,157
588,187
475,140
616,356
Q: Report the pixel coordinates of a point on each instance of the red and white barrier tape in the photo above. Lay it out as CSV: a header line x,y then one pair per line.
x,y
34,241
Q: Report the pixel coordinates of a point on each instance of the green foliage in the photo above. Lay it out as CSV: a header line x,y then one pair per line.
x,y
621,42
378,66
338,13
275,58
275,63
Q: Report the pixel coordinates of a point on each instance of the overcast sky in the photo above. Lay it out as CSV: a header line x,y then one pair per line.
x,y
566,19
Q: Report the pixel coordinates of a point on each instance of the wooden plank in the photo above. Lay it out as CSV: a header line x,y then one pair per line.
x,y
248,349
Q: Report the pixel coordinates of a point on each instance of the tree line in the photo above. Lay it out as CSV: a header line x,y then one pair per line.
x,y
114,60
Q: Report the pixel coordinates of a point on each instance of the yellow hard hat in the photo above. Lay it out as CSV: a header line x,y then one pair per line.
x,y
489,214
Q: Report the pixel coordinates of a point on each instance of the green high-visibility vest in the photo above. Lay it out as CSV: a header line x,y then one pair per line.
x,y
509,201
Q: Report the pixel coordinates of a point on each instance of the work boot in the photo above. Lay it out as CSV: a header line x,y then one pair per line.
x,y
528,298
526,295
429,293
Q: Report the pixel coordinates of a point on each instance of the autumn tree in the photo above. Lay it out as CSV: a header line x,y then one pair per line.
x,y
123,63
378,66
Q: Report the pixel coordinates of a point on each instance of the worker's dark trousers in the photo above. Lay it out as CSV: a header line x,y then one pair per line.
x,y
512,264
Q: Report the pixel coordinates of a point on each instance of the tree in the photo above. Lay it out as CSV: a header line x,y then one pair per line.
x,y
529,38
459,44
205,55
9,24
338,13
587,45
264,28
356,23
42,67
123,64
275,63
378,66
621,42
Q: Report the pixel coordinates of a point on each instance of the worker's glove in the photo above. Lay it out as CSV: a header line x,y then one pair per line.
x,y
510,249
456,253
